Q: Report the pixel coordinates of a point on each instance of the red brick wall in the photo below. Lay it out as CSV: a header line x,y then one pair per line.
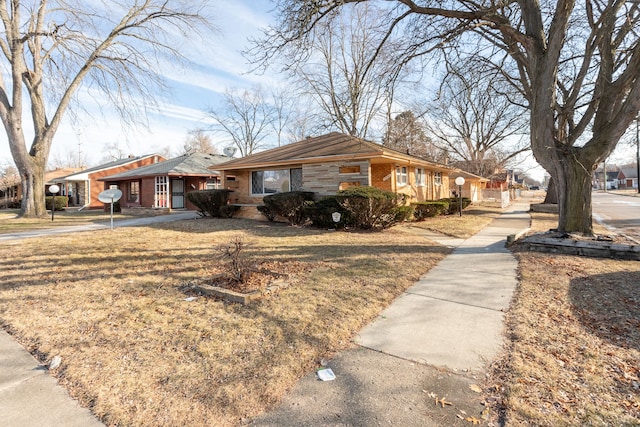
x,y
96,187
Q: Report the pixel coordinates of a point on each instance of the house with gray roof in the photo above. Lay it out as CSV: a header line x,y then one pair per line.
x,y
165,185
83,187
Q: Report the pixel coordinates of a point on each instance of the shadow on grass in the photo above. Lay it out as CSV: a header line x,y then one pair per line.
x,y
608,305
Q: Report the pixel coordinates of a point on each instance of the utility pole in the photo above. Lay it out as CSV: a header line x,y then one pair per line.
x,y
638,152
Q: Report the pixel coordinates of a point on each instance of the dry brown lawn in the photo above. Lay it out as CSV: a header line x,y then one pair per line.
x,y
573,333
134,350
473,218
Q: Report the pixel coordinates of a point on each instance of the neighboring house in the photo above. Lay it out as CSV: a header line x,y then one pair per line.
x,y
83,187
613,178
51,177
630,173
506,179
165,184
329,163
473,185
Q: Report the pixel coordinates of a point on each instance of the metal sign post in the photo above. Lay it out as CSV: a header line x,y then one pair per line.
x,y
110,196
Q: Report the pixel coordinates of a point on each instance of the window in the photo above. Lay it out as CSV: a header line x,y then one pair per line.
x,y
350,169
420,177
213,183
134,192
275,181
162,192
401,175
437,178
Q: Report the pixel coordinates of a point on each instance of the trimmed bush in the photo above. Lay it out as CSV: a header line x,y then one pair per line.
x,y
424,210
454,203
289,205
370,208
210,202
321,213
60,202
228,211
267,212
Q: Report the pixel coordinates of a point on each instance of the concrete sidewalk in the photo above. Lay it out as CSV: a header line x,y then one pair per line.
x,y
30,397
452,317
133,222
450,322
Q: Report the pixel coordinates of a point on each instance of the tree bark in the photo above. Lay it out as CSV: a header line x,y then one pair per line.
x,y
552,193
574,197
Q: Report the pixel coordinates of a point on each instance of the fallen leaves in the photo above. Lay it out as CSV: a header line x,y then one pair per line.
x,y
476,388
443,402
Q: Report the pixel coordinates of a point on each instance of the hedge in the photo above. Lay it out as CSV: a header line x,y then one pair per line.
x,y
289,205
211,202
424,210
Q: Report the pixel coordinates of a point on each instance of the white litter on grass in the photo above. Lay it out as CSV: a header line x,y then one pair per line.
x,y
189,299
326,374
55,363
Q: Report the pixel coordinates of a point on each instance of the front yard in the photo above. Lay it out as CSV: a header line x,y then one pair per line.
x,y
137,352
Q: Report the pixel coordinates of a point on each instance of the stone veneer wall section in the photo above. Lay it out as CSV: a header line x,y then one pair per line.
x,y
325,178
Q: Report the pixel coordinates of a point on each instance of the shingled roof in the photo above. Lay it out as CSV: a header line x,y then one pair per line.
x,y
330,147
196,164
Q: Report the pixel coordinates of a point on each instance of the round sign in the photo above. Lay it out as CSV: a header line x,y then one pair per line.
x,y
53,189
110,196
459,180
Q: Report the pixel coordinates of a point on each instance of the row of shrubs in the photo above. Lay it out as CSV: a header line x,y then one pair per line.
x,y
365,208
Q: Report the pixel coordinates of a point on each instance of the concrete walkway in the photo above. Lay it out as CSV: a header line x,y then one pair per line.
x,y
452,317
450,322
30,397
133,222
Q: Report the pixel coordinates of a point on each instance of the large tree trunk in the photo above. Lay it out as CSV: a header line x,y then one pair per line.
x,y
33,194
31,167
573,187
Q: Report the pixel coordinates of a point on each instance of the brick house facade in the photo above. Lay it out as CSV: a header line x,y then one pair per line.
x,y
333,162
83,187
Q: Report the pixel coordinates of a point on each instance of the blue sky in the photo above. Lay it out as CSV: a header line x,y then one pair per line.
x,y
217,65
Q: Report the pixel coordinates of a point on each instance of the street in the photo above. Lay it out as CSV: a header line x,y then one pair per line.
x,y
619,212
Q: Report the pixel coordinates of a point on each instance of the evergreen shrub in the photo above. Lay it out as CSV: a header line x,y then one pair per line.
x,y
210,202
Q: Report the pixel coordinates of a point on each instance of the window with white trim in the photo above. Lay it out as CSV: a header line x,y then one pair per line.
x,y
161,197
437,178
401,175
420,177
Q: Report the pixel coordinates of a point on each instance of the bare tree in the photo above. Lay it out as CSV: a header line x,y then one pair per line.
x,y
199,142
338,68
577,65
474,122
69,159
245,117
50,48
407,133
114,151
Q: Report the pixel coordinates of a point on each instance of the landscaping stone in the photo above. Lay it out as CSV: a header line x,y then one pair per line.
x,y
568,245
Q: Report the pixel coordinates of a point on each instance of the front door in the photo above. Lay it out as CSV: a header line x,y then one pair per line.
x,y
177,194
